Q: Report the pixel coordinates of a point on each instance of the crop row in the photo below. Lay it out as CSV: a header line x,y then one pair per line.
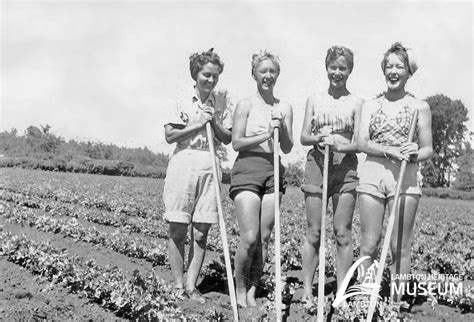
x,y
119,199
124,197
291,250
136,297
118,241
462,298
132,196
451,256
291,256
117,206
443,243
439,245
153,226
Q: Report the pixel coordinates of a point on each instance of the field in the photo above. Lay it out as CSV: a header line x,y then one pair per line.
x,y
90,247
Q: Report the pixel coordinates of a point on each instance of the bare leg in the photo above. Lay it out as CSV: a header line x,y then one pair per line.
x,y
191,248
199,241
311,244
247,207
400,241
344,209
372,210
267,221
256,265
177,237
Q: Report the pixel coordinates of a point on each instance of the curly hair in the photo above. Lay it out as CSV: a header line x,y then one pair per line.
x,y
261,56
404,53
335,51
199,59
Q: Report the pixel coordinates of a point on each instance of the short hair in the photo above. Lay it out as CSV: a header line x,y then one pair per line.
x,y
405,54
335,51
261,56
199,59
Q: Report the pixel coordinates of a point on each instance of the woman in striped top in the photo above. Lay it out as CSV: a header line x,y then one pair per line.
x,y
331,118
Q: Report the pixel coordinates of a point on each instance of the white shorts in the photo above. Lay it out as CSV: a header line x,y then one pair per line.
x,y
189,193
378,177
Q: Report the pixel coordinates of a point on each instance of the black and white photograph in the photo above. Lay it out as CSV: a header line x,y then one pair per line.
x,y
236,160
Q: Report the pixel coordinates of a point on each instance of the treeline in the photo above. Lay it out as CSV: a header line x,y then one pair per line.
x,y
450,167
39,148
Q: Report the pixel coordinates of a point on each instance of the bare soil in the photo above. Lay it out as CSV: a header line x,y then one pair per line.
x,y
24,296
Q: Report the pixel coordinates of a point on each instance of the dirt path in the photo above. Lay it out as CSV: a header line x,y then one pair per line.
x,y
26,297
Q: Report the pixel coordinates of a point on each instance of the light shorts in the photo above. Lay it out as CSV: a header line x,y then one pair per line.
x,y
379,175
189,193
342,172
253,171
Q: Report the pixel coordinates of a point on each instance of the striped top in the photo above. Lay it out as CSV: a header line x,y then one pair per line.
x,y
337,113
391,129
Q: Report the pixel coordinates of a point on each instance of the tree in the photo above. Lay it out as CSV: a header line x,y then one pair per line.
x,y
448,118
465,175
93,150
33,132
41,142
9,141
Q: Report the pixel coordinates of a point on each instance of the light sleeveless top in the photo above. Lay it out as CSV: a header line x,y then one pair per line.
x,y
337,113
391,129
257,123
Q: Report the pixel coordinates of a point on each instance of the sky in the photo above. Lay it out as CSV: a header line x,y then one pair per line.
x,y
107,70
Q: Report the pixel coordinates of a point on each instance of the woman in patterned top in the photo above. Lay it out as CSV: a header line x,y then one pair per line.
x,y
331,118
189,191
383,134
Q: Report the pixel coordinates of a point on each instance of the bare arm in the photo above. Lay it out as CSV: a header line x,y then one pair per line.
x,y
307,137
222,134
175,133
221,116
368,146
424,150
286,138
239,125
351,147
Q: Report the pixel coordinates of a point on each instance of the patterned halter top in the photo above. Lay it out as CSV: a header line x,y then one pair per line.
x,y
391,129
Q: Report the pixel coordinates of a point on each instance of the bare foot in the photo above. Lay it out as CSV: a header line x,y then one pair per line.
x,y
241,299
195,295
251,301
307,300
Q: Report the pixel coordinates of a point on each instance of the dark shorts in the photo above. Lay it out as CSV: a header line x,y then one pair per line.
x,y
253,171
342,172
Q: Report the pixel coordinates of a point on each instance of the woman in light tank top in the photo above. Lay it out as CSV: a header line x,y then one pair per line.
x,y
385,123
331,118
252,183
